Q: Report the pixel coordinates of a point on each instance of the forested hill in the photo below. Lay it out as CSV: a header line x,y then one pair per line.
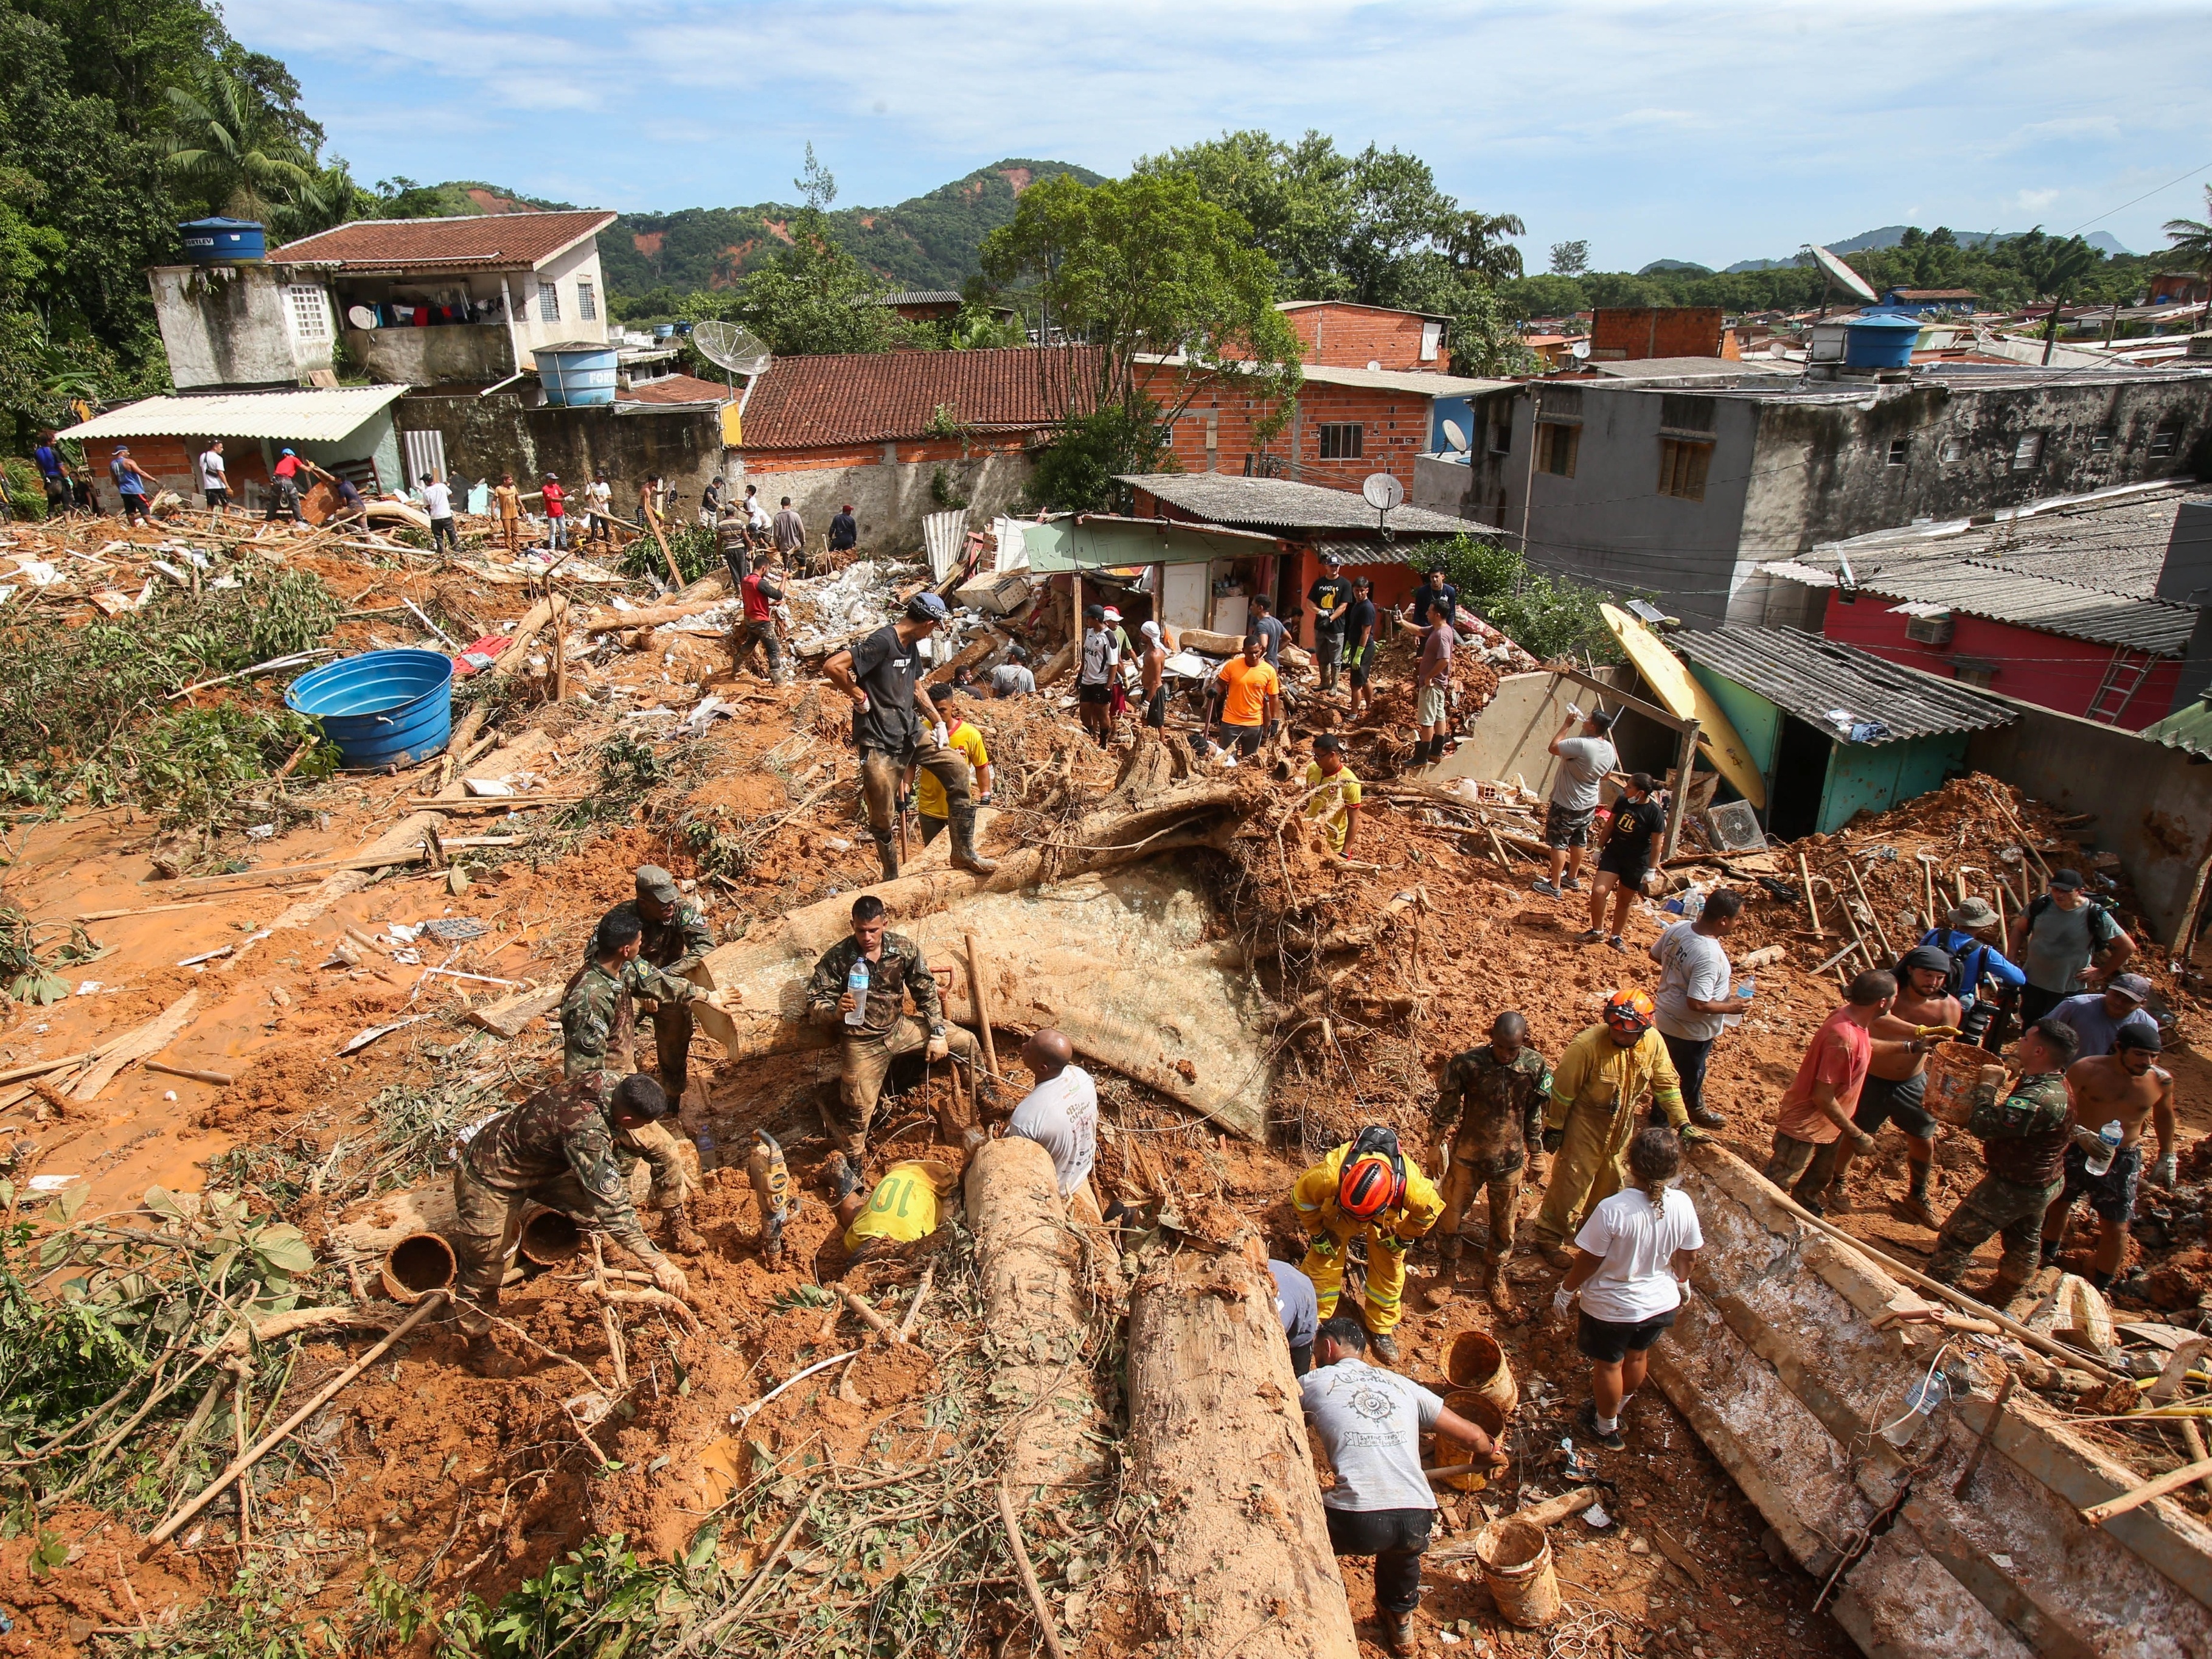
x,y
929,242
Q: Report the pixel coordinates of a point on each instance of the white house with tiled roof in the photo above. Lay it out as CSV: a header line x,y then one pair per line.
x,y
448,302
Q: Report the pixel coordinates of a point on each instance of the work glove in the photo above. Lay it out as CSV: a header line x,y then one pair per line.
x,y
1560,1302
669,1278
2166,1172
1324,1245
1554,1139
905,802
1691,1134
1945,1032
940,1044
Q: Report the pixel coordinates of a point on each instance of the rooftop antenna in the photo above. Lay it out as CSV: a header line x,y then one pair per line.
x,y
1382,492
1840,276
733,349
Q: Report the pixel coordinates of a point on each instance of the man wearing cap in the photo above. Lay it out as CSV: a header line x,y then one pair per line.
x,y
131,480
2097,1017
2062,942
1584,760
1432,591
284,489
571,1147
844,530
672,936
2129,1087
1098,656
1331,599
895,727
1592,1114
1896,1082
1014,677
554,500
1366,1188
1153,667
1970,940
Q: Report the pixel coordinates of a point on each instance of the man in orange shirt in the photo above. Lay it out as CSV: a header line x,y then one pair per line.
x,y
1246,697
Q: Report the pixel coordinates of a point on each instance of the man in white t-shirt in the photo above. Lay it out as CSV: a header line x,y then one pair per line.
x,y
1061,1115
1583,762
214,477
1369,1422
1693,995
1632,1271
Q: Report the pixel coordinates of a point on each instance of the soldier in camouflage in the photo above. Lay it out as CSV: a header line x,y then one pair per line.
x,y
884,1030
571,1147
2024,1133
598,1014
1496,1093
673,936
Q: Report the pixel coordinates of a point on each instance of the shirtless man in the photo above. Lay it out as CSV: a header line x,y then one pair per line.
x,y
2130,1085
1897,1077
1154,665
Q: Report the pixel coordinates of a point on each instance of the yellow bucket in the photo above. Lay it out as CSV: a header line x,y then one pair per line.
x,y
1476,1361
1486,1414
1517,1567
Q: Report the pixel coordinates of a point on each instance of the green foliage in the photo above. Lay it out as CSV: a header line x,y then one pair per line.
x,y
1549,616
1148,265
693,545
597,1603
32,957
1569,259
2191,240
1077,471
242,153
27,492
944,494
86,710
193,763
812,296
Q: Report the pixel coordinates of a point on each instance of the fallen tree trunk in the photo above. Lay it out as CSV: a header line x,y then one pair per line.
x,y
1035,1306
614,622
1213,1420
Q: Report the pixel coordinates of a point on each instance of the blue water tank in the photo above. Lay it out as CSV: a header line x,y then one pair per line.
x,y
222,241
384,710
575,376
1880,340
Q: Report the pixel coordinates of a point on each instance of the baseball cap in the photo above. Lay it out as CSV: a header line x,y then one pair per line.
x,y
1332,558
1094,613
2134,987
655,883
1112,615
927,607
1970,913
2067,878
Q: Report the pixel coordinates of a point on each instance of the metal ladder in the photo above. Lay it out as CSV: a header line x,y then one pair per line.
x,y
2124,677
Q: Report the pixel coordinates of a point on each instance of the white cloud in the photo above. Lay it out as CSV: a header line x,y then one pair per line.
x,y
1688,130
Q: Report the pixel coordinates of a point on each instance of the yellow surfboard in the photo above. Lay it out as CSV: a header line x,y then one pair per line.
x,y
1678,690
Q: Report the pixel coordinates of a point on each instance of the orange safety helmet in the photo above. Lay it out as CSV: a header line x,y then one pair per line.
x,y
1630,1013
1368,1185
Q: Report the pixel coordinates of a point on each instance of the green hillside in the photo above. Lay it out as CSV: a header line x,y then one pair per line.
x,y
928,242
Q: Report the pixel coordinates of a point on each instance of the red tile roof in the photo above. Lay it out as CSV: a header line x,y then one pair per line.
x,y
863,397
488,239
678,389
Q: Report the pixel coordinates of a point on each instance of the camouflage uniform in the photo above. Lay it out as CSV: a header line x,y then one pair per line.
x,y
598,1018
2024,1138
887,1030
559,1148
1500,1129
675,947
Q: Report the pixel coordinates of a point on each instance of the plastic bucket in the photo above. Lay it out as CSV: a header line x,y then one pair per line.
x,y
416,1265
550,1238
1517,1567
1952,1071
384,710
1486,1414
1476,1361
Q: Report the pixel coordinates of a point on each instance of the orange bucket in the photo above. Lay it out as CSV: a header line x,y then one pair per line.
x,y
1475,1361
1486,1414
1954,1068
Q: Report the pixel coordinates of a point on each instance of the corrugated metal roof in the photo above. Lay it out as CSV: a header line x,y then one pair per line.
x,y
913,296
2188,728
1405,553
1810,676
1279,504
1973,587
323,415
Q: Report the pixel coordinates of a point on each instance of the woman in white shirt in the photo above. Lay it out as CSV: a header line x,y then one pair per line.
x,y
1631,1270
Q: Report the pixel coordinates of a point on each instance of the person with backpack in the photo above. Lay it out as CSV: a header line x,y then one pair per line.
x,y
1366,1189
2064,942
1975,961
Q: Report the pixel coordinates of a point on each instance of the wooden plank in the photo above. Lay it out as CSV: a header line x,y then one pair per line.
x,y
1651,711
155,1034
508,1015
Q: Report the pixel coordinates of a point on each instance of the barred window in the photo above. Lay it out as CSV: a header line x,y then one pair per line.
x,y
587,303
311,311
549,303
1342,441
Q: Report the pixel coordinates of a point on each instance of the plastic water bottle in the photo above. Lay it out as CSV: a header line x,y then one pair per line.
x,y
2109,1138
1744,988
857,983
1923,1399
709,1159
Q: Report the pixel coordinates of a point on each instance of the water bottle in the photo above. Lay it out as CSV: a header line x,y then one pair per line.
x,y
857,983
709,1159
2108,1148
1924,1398
1744,988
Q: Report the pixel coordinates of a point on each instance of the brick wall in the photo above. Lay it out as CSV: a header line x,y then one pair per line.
x,y
1353,336
174,461
1633,332
1214,433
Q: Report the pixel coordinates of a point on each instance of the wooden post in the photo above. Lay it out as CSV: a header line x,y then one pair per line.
x,y
1812,905
675,574
982,1005
1678,808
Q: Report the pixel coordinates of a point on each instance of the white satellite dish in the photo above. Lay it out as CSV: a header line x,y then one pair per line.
x,y
1382,491
728,346
1842,276
1453,436
361,316
1579,349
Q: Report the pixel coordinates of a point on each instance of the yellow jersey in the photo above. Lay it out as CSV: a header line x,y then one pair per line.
x,y
928,793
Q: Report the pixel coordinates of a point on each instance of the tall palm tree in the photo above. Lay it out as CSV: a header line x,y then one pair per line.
x,y
229,144
2192,238
2055,266
1477,244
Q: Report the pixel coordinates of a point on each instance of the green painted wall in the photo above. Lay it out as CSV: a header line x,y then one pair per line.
x,y
1757,721
1875,778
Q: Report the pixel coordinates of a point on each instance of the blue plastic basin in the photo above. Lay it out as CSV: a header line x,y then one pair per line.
x,y
388,708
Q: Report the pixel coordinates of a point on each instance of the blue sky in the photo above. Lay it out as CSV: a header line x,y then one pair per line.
x,y
1654,131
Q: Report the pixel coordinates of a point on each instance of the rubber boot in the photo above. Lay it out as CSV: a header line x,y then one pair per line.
x,y
1397,1631
887,851
1499,1293
964,855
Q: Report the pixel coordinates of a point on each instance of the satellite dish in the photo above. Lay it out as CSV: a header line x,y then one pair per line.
x,y
1579,349
1842,276
1382,491
1453,436
361,316
728,346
